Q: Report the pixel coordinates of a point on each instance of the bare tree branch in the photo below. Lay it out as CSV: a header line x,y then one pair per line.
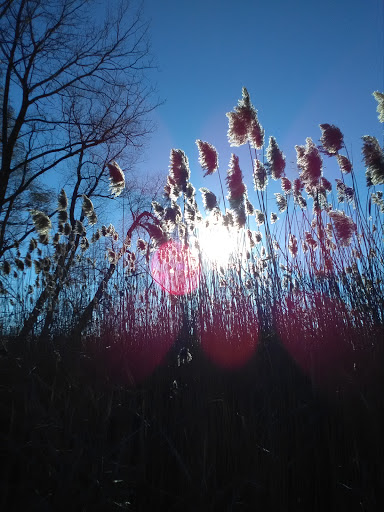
x,y
76,82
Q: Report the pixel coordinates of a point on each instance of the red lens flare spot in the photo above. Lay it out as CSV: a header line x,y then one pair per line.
x,y
230,347
175,268
323,335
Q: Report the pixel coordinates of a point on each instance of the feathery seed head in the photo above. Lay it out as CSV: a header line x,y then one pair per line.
x,y
142,245
260,217
209,199
310,163
79,228
37,266
327,185
158,210
379,97
281,202
260,178
92,219
286,185
236,187
179,169
41,222
190,192
237,129
32,245
84,244
190,214
46,264
244,125
297,186
256,134
95,236
228,220
240,216
250,237
87,205
43,239
274,217
171,190
63,217
116,178
249,209
373,159
344,227
301,202
172,216
62,201
19,264
67,229
276,159
344,192
89,211
344,164
110,230
28,260
292,245
331,138
207,157
112,257
158,236
310,241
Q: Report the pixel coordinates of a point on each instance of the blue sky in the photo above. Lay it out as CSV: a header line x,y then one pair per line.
x,y
303,63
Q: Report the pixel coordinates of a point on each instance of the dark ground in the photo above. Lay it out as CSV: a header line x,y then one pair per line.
x,y
75,436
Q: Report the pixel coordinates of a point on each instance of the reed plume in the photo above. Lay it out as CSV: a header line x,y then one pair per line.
x,y
276,159
379,97
309,162
244,125
373,159
236,187
331,138
260,178
207,157
179,169
41,222
344,227
89,211
62,201
209,199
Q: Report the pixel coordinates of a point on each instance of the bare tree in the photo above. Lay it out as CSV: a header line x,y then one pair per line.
x,y
75,77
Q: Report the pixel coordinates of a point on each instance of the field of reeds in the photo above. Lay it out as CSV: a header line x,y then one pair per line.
x,y
153,370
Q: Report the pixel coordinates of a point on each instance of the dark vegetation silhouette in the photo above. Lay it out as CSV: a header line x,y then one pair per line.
x,y
192,383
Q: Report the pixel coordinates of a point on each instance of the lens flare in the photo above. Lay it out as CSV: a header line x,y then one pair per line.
x,y
175,268
324,336
230,345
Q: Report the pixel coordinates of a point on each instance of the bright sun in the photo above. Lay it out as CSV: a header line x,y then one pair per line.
x,y
217,243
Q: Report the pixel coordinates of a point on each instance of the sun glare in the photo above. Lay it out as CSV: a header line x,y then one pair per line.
x,y
217,243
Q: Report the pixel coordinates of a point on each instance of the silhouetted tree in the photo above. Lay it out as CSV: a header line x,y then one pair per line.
x,y
74,76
